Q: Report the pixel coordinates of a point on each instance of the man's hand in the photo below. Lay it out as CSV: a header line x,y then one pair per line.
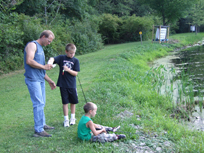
x,y
52,84
48,67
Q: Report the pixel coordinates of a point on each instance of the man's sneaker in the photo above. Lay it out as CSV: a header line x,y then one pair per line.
x,y
42,134
72,121
116,129
121,136
66,123
46,127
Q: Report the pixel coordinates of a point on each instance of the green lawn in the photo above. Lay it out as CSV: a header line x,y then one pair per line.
x,y
115,79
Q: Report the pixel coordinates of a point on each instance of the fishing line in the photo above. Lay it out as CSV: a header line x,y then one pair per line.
x,y
82,89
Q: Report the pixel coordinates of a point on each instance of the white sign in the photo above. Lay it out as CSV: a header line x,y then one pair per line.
x,y
192,28
162,33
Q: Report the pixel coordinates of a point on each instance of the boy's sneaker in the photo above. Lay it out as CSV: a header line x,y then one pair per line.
x,y
42,134
116,129
46,127
66,123
121,136
72,121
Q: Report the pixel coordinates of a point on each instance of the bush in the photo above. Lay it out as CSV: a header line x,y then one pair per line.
x,y
31,28
109,28
62,33
125,29
85,36
132,25
10,43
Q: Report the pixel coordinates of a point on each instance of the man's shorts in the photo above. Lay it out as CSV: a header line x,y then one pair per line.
x,y
69,95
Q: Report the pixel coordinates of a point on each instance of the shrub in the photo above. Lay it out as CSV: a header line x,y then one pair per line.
x,y
125,29
132,25
31,28
109,28
62,33
10,43
85,37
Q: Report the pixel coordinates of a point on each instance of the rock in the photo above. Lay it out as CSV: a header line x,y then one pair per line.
x,y
142,144
167,143
159,149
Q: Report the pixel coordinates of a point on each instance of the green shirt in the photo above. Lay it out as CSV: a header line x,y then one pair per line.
x,y
83,132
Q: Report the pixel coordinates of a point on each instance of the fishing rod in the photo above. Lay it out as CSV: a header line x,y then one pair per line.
x,y
82,89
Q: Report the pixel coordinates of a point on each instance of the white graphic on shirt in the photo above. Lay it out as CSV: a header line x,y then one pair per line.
x,y
68,64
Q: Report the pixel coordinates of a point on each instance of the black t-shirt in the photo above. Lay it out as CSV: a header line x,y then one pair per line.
x,y
67,80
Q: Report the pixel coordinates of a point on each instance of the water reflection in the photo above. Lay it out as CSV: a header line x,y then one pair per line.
x,y
187,63
191,63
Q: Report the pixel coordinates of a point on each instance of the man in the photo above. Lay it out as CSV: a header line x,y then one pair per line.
x,y
35,76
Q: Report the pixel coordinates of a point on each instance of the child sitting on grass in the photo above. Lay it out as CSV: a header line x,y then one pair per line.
x,y
87,130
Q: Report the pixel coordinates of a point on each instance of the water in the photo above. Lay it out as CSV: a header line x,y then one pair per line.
x,y
187,63
192,64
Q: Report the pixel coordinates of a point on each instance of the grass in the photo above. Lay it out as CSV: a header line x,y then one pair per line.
x,y
114,78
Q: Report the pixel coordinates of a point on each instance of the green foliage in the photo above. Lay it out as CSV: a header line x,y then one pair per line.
x,y
132,25
124,29
10,44
196,14
30,26
119,7
169,10
62,33
7,6
109,28
85,37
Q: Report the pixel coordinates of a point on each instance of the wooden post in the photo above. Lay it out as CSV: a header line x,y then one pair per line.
x,y
152,33
160,34
140,33
168,33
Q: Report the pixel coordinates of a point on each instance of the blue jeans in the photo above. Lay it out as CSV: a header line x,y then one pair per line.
x,y
37,95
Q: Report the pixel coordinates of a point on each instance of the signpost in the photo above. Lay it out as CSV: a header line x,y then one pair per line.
x,y
140,36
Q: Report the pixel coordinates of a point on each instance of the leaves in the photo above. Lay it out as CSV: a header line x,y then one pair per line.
x,y
169,10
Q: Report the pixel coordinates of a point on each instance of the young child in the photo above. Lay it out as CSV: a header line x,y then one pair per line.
x,y
69,68
87,130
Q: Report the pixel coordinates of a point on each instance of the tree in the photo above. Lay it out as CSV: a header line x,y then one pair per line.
x,y
140,9
170,10
115,7
7,6
196,14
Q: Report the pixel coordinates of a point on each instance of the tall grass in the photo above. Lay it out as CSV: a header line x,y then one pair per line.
x,y
114,78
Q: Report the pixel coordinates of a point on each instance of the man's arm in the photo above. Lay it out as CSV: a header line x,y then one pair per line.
x,y
51,83
30,54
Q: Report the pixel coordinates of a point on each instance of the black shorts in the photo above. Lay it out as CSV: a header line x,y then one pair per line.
x,y
69,95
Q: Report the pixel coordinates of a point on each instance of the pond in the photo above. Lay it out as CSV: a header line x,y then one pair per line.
x,y
188,63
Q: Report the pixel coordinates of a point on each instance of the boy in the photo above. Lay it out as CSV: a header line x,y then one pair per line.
x,y
69,68
99,133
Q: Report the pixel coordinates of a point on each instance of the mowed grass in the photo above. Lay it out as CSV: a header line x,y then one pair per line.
x,y
115,79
